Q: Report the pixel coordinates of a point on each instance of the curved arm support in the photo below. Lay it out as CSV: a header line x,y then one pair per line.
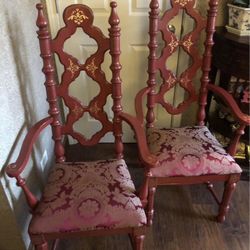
x,y
228,99
148,159
232,148
138,103
15,169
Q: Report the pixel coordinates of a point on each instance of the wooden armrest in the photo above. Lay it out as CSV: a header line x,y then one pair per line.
x,y
229,100
146,157
14,169
138,103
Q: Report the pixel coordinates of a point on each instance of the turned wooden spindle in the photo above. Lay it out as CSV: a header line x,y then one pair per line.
x,y
114,34
143,194
153,45
31,199
50,83
139,240
150,208
210,187
206,63
232,148
43,246
230,186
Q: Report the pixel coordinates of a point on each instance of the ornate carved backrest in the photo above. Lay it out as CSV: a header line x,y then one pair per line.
x,y
189,45
76,16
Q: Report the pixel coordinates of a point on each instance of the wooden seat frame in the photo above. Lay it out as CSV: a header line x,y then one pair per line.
x,y
75,16
157,24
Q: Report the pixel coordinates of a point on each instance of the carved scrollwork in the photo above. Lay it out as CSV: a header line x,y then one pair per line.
x,y
77,110
77,16
91,68
81,15
188,43
170,81
184,81
94,108
182,2
173,44
72,68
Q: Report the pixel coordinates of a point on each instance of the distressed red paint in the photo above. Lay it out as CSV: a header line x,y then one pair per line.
x,y
72,187
156,176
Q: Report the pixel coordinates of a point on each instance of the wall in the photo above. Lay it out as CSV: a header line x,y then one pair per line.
x,y
22,98
222,16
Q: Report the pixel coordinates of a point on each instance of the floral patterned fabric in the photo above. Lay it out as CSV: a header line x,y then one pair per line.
x,y
88,196
189,151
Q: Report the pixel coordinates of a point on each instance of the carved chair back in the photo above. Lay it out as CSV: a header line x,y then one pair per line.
x,y
188,43
81,16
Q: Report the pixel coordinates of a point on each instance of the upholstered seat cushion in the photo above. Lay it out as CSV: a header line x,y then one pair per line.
x,y
189,151
88,196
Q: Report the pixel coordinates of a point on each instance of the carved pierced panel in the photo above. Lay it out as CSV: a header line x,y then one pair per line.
x,y
189,45
81,16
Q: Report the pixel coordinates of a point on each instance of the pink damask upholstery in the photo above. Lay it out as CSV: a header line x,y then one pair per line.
x,y
189,151
88,196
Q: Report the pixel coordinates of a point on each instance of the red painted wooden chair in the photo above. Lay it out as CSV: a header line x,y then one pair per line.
x,y
83,198
187,155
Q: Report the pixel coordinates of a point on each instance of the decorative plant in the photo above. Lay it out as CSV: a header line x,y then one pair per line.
x,y
241,3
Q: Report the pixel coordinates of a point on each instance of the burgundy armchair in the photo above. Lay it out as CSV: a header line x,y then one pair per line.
x,y
190,154
83,198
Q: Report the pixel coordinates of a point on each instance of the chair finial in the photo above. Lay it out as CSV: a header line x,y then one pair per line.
x,y
154,4
41,21
113,4
114,19
39,6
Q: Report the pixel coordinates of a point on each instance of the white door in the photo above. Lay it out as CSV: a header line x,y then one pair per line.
x,y
134,39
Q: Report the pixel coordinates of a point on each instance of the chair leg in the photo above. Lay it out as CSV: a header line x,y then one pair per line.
x,y
230,186
55,244
43,246
150,208
143,194
138,242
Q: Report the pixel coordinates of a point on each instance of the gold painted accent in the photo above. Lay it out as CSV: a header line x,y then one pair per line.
x,y
77,110
173,44
182,2
171,81
92,67
77,16
184,81
188,43
72,67
95,109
